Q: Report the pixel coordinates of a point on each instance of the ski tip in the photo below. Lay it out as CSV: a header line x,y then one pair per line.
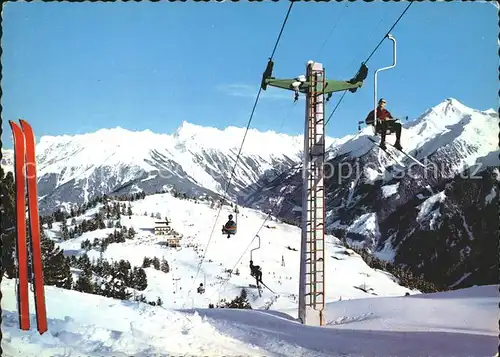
x,y
15,127
25,124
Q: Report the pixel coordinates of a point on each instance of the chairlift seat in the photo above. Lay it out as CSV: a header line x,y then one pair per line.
x,y
229,229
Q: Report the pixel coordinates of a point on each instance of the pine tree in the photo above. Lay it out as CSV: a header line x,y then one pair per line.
x,y
86,245
139,279
159,302
85,226
156,263
7,223
56,267
240,302
122,271
164,267
64,230
116,289
84,282
84,262
96,243
146,263
129,210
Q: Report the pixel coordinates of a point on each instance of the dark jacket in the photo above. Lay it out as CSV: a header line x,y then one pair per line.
x,y
230,224
255,271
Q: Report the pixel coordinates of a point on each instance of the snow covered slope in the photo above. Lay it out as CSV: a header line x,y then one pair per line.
x,y
347,276
459,323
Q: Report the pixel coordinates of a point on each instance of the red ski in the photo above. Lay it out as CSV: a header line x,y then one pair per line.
x,y
25,161
21,245
36,248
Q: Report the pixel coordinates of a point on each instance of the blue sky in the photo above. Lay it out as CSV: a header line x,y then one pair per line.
x,y
73,68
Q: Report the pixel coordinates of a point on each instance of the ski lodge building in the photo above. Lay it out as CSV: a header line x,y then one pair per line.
x,y
173,242
161,228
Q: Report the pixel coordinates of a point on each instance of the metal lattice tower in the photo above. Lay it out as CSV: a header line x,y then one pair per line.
x,y
312,262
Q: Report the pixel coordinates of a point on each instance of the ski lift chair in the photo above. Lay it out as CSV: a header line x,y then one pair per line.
x,y
378,130
231,226
251,252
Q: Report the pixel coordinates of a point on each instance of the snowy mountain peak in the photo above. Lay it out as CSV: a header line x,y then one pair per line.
x,y
187,130
445,113
491,111
453,105
193,137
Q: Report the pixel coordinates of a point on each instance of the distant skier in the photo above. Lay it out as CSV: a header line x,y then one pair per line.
x,y
256,272
385,122
201,289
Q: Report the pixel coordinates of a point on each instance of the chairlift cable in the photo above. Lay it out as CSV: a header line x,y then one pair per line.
x,y
333,29
370,56
262,225
241,147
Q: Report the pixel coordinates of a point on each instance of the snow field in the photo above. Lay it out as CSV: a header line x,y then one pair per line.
x,y
458,323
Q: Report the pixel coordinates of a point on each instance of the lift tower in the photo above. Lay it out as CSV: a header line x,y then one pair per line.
x,y
312,262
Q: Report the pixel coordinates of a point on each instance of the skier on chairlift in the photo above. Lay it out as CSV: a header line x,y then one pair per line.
x,y
385,122
256,272
230,226
201,289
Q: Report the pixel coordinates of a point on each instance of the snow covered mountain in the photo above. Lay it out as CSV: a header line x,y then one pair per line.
x,y
194,159
368,193
396,208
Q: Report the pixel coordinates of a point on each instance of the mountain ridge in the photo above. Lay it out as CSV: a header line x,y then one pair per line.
x,y
200,159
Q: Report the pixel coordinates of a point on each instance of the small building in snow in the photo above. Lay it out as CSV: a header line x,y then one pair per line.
x,y
161,228
173,242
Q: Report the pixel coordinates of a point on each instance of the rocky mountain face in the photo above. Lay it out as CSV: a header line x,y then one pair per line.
x,y
442,221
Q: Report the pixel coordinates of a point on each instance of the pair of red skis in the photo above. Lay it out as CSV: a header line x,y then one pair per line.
x,y
25,176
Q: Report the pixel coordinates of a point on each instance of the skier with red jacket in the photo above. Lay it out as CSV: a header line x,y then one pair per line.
x,y
385,122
